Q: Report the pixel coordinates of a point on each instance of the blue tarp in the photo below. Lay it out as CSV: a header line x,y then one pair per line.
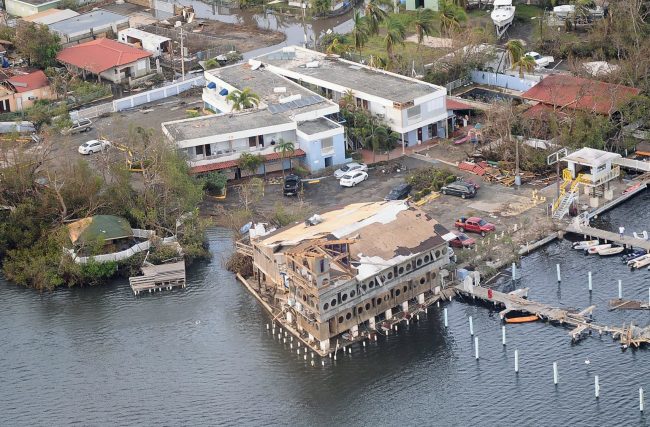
x,y
223,92
212,85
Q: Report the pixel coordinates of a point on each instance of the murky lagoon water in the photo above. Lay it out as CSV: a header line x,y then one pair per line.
x,y
202,356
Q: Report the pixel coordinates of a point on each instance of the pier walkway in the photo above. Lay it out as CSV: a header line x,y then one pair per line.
x,y
159,277
608,236
580,321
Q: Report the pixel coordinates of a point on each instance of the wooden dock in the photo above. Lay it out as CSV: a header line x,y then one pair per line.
x,y
608,236
159,277
622,304
580,321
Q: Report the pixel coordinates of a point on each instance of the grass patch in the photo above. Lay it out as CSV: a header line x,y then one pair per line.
x,y
524,12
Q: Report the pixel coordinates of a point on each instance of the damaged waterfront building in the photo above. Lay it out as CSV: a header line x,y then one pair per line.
x,y
343,274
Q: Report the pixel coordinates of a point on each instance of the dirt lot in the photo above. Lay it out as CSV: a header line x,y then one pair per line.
x,y
115,127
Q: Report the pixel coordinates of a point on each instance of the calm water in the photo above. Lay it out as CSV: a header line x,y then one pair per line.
x,y
202,356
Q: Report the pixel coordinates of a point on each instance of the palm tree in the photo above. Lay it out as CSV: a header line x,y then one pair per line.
x,y
423,22
375,15
359,30
395,34
525,63
515,50
284,147
450,16
243,99
348,101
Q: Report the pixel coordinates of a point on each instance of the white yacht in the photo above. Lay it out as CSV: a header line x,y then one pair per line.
x,y
502,15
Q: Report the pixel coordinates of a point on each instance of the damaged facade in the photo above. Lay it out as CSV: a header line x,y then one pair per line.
x,y
347,270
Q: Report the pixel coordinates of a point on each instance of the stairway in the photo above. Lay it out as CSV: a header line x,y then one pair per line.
x,y
563,206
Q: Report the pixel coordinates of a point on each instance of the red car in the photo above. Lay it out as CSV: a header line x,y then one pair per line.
x,y
474,224
462,240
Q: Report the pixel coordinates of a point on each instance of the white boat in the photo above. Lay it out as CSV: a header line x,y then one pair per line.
x,y
566,10
639,262
502,15
594,249
585,244
614,250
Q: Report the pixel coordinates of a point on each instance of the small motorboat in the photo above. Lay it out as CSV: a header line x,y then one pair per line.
x,y
633,255
585,244
614,250
522,319
594,249
639,262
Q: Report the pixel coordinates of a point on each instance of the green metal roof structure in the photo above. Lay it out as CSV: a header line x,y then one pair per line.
x,y
99,227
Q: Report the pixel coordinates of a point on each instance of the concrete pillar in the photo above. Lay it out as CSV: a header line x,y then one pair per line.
x,y
325,345
405,306
609,194
421,299
311,337
372,323
594,201
389,314
289,317
354,331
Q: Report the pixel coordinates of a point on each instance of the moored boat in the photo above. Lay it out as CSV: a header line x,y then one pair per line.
x,y
585,244
522,319
639,262
614,250
636,253
594,249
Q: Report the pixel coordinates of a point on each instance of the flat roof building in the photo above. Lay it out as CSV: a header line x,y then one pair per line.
x,y
89,26
153,43
349,269
413,108
286,111
51,16
22,8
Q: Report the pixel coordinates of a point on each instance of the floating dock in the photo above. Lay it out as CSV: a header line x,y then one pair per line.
x,y
159,277
622,304
608,236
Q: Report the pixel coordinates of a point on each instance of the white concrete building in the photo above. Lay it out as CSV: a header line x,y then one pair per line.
x,y
153,43
411,107
286,111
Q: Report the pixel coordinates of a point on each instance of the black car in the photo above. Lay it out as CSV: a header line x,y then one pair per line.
x,y
292,185
460,189
400,192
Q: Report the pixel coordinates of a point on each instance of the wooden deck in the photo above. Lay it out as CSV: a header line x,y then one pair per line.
x,y
622,304
159,277
580,321
608,236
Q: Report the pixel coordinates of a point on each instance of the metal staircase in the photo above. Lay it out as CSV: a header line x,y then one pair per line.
x,y
568,191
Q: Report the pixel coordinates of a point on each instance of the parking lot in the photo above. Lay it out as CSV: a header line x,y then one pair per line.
x,y
494,202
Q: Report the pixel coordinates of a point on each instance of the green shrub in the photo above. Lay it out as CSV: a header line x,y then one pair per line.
x,y
162,253
300,171
215,183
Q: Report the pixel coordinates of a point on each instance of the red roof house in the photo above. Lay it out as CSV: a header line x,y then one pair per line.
x,y
108,59
20,91
575,93
29,82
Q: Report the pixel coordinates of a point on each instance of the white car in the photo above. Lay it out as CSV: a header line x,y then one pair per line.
x,y
353,178
94,146
349,168
541,61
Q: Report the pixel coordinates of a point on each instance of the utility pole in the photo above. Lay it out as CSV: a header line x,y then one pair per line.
x,y
182,57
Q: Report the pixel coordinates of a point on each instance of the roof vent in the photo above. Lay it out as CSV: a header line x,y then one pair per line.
x,y
288,49
312,64
279,89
